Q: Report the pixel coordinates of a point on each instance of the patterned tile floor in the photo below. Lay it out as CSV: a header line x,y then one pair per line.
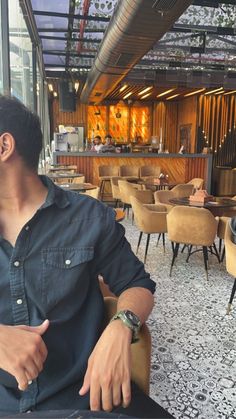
x,y
194,343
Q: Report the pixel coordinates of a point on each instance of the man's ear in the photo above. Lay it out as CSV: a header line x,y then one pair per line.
x,y
7,146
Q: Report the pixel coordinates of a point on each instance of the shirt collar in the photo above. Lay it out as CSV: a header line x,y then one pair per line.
x,y
56,195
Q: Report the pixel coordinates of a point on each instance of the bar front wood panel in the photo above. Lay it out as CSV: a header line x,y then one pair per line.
x,y
179,169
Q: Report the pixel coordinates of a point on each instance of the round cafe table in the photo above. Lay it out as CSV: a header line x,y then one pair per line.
x,y
217,206
63,175
77,187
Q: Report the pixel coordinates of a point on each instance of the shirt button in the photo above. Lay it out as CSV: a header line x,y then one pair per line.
x,y
27,228
16,263
19,301
68,262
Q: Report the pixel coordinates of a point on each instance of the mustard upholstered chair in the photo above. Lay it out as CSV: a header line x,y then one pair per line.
x,y
221,235
230,253
197,182
182,190
128,189
230,212
140,351
129,172
192,227
163,197
105,173
94,193
149,172
115,189
80,179
148,221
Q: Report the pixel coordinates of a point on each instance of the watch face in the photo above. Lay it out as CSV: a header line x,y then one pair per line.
x,y
132,318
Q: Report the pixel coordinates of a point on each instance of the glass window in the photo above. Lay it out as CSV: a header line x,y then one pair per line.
x,y
1,70
20,55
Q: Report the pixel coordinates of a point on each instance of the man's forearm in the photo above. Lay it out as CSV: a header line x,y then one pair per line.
x,y
137,299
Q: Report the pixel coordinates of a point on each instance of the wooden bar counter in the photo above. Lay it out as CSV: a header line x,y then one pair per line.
x,y
180,167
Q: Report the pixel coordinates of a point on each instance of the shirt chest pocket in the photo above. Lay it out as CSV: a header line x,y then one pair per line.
x,y
65,274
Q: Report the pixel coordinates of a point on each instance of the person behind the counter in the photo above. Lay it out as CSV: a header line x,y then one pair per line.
x,y
97,144
108,147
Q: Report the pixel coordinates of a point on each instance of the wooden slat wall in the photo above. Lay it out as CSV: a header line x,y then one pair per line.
x,y
187,114
79,117
179,169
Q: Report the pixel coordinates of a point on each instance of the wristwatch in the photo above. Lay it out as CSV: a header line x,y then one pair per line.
x,y
130,320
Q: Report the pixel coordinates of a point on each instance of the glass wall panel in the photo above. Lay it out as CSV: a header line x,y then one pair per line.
x,y
118,122
20,55
1,69
140,123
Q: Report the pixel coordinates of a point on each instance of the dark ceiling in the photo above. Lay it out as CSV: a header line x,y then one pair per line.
x,y
198,50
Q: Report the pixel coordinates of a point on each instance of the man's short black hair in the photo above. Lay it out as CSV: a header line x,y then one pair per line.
x,y
109,136
99,137
25,128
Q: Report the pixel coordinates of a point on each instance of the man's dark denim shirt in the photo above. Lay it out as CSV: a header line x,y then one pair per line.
x,y
52,273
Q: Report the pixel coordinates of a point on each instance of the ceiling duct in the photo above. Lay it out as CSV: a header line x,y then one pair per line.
x,y
133,30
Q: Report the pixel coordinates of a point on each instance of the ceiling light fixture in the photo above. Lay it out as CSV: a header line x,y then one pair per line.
x,y
172,97
127,95
148,94
145,90
220,93
50,87
76,86
213,91
230,93
195,92
165,93
123,88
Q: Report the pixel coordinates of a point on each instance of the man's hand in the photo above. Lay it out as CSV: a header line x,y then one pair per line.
x,y
109,369
23,351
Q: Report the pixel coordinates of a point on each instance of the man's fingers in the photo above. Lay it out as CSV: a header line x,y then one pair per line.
x,y
116,395
86,383
40,330
95,395
21,378
126,393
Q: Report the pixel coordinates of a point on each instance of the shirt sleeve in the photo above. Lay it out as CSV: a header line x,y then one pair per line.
x,y
115,260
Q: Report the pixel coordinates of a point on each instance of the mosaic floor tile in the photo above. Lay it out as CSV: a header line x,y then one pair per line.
x,y
193,373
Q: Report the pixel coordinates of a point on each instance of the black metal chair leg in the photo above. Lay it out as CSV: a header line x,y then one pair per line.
x,y
222,255
175,254
146,248
183,248
139,241
158,239
220,245
216,251
163,241
205,256
173,246
231,297
189,252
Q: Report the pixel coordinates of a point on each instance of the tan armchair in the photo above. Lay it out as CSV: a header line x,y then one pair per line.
x,y
221,235
148,221
163,197
105,173
140,351
197,182
192,227
183,190
128,189
230,252
80,179
149,172
94,193
129,172
115,189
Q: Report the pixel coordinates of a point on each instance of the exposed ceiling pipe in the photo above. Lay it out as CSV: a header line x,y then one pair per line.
x,y
83,23
135,27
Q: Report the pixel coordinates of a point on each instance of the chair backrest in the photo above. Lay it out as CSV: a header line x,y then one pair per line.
x,y
108,171
190,225
197,182
149,221
129,170
146,171
127,190
230,251
163,197
80,179
183,190
94,193
115,187
140,351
